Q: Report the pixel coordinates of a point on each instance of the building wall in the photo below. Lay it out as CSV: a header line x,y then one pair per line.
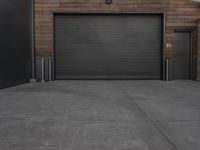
x,y
15,52
198,44
179,14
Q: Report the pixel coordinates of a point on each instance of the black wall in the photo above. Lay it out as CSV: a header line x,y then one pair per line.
x,y
15,43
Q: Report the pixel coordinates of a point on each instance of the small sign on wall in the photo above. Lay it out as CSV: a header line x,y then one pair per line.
x,y
168,45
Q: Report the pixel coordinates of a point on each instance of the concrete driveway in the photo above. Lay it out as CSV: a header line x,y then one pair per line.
x,y
101,115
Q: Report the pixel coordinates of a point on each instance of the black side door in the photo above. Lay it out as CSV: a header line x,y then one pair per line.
x,y
182,54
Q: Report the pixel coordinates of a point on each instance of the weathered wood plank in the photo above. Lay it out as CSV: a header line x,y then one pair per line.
x,y
180,14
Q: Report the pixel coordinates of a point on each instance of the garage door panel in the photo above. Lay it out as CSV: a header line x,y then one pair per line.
x,y
108,46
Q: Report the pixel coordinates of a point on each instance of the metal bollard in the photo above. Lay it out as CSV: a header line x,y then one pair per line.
x,y
50,69
43,71
167,69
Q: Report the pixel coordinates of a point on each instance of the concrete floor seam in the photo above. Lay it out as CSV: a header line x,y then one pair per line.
x,y
101,115
154,123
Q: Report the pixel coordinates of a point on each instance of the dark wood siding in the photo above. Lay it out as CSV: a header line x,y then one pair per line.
x,y
180,14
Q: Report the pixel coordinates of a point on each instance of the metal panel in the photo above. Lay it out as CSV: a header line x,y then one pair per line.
x,y
198,51
182,50
15,56
108,46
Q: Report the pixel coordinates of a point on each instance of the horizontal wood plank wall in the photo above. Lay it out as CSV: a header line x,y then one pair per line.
x,y
180,14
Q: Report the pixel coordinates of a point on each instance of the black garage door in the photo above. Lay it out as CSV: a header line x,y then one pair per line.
x,y
108,46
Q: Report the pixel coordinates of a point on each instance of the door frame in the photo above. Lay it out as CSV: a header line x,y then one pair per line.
x,y
190,31
163,22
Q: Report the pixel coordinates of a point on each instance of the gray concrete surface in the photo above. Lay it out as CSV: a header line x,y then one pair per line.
x,y
101,115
